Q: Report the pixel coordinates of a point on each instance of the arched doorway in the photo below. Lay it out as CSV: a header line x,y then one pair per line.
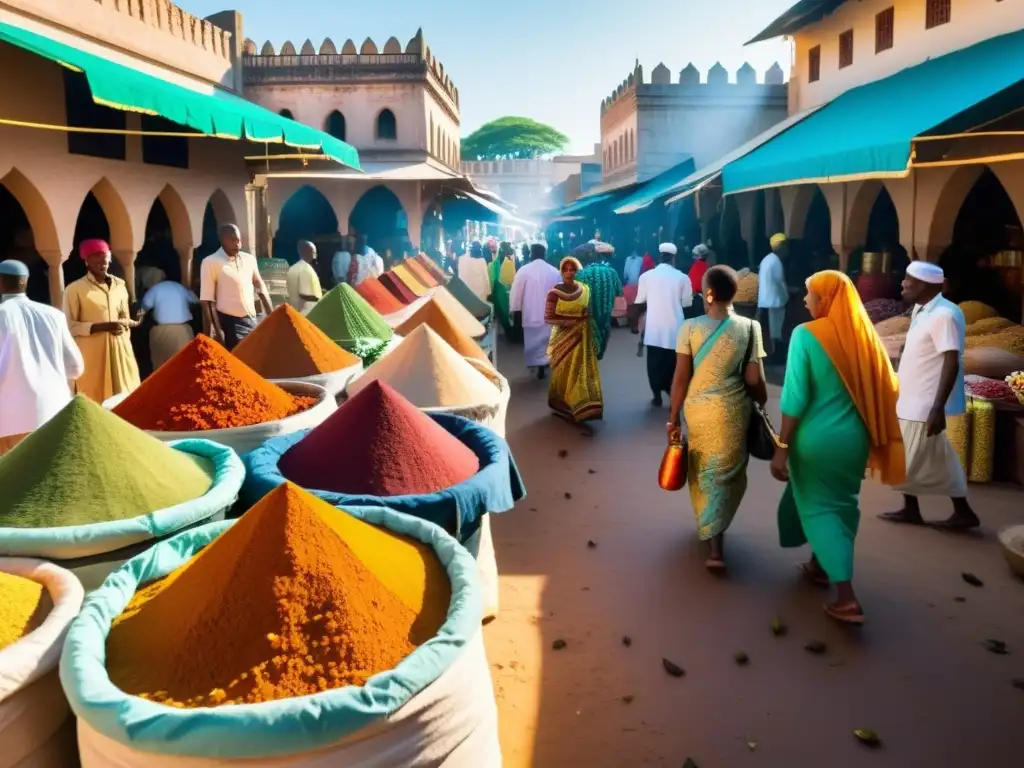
x,y
986,226
335,125
380,217
883,233
813,252
307,215
91,223
158,249
17,241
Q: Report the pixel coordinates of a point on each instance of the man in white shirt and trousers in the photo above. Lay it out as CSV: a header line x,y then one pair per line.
x,y
303,282
664,293
38,358
229,280
528,296
773,293
931,374
171,305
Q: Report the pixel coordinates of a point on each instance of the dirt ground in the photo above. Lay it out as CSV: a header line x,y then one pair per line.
x,y
918,673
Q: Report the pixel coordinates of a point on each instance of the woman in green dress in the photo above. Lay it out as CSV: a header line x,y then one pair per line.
x,y
838,419
503,273
718,356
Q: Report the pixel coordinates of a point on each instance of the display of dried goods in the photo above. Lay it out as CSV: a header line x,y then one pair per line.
x,y
882,309
892,326
1015,381
988,389
989,325
976,310
1008,340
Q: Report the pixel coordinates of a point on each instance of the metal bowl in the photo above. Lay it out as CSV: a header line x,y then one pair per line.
x,y
1012,541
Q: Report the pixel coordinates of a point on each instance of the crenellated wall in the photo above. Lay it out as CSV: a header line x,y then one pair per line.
x,y
155,30
648,127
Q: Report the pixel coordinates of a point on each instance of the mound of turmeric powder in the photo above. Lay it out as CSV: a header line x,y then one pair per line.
x,y
295,598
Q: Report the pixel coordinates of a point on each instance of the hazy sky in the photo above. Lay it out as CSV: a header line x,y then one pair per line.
x,y
552,60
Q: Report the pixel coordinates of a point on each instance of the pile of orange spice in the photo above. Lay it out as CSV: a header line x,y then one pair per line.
x,y
295,598
205,387
287,345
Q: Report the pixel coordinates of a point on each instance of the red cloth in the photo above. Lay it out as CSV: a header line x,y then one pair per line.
x,y
647,264
697,274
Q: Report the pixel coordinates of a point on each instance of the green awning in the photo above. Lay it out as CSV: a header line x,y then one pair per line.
x,y
577,206
214,112
868,131
656,187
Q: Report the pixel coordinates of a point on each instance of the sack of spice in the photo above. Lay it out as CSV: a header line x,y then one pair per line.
x,y
88,483
38,601
433,706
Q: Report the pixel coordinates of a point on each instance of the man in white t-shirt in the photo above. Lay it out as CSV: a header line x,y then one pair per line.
x,y
170,305
663,292
229,282
931,374
302,280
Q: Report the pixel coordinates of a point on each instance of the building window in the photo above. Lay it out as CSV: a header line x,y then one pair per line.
x,y
171,151
387,126
335,125
846,48
83,112
938,12
884,28
286,113
814,64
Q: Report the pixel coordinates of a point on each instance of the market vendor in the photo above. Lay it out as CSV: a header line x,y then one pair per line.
x,y
229,281
97,309
773,292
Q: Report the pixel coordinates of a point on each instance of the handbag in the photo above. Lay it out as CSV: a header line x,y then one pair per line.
x,y
761,435
672,471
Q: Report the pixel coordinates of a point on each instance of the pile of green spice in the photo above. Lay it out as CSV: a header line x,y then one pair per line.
x,y
87,465
350,322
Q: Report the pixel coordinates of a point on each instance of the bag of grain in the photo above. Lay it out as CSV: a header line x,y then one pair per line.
x,y
991,363
433,708
34,714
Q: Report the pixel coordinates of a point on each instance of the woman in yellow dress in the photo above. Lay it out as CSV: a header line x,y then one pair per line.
x,y
718,356
575,389
97,308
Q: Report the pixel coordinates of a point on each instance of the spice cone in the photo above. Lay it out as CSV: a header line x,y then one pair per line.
x,y
379,297
287,345
434,315
295,598
408,279
422,275
426,371
462,316
347,319
476,306
397,288
431,266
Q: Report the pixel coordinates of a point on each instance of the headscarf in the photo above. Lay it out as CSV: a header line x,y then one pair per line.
x,y
88,248
845,332
507,270
776,240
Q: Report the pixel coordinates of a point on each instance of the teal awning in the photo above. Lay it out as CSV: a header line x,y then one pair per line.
x,y
802,14
213,113
576,207
868,131
656,187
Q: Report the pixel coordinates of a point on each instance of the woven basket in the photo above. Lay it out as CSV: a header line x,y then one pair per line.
x,y
1012,541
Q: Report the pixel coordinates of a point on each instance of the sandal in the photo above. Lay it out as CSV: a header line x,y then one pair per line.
x,y
957,523
850,613
812,575
902,517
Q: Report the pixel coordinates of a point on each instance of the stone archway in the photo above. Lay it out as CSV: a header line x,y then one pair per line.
x,y
380,216
182,232
37,212
120,234
947,208
306,215
222,208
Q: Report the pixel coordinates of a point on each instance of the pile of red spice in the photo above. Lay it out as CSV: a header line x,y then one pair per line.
x,y
379,297
397,288
206,387
287,345
379,444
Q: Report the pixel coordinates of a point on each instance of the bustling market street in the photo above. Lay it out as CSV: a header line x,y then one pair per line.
x,y
918,673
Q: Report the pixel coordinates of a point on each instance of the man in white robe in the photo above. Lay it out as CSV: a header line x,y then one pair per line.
x,y
528,296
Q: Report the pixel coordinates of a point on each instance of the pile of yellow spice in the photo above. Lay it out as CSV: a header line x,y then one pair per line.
x,y
24,605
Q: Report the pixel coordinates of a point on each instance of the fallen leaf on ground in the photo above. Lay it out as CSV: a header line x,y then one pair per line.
x,y
568,495
558,645
741,658
592,544
591,471
960,599
563,453
627,699
997,647
627,640
816,647
778,628
971,579
673,669
867,737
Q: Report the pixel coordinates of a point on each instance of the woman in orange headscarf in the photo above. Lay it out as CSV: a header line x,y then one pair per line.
x,y
838,420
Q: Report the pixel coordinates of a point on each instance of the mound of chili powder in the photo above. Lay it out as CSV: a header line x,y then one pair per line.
x,y
287,345
206,387
397,288
379,444
379,297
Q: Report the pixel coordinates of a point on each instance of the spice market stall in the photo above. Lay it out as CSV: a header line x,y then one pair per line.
x,y
337,637
206,392
347,319
377,449
87,486
288,347
38,601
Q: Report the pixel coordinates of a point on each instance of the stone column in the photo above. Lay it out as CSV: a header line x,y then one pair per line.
x,y
844,252
126,258
55,275
258,220
185,264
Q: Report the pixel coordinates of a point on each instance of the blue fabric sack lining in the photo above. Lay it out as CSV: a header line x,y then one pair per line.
x,y
286,727
459,509
73,541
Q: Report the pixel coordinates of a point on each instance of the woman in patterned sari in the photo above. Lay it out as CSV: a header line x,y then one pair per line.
x,y
718,356
503,273
575,389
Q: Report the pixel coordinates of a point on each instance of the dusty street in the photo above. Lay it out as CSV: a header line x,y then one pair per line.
x,y
918,673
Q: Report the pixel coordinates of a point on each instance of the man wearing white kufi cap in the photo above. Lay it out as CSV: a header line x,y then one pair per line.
x,y
931,377
773,291
665,292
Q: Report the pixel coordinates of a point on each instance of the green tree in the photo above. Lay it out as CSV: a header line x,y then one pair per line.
x,y
512,138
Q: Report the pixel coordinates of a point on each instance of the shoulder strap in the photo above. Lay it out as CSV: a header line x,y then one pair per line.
x,y
750,344
706,346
